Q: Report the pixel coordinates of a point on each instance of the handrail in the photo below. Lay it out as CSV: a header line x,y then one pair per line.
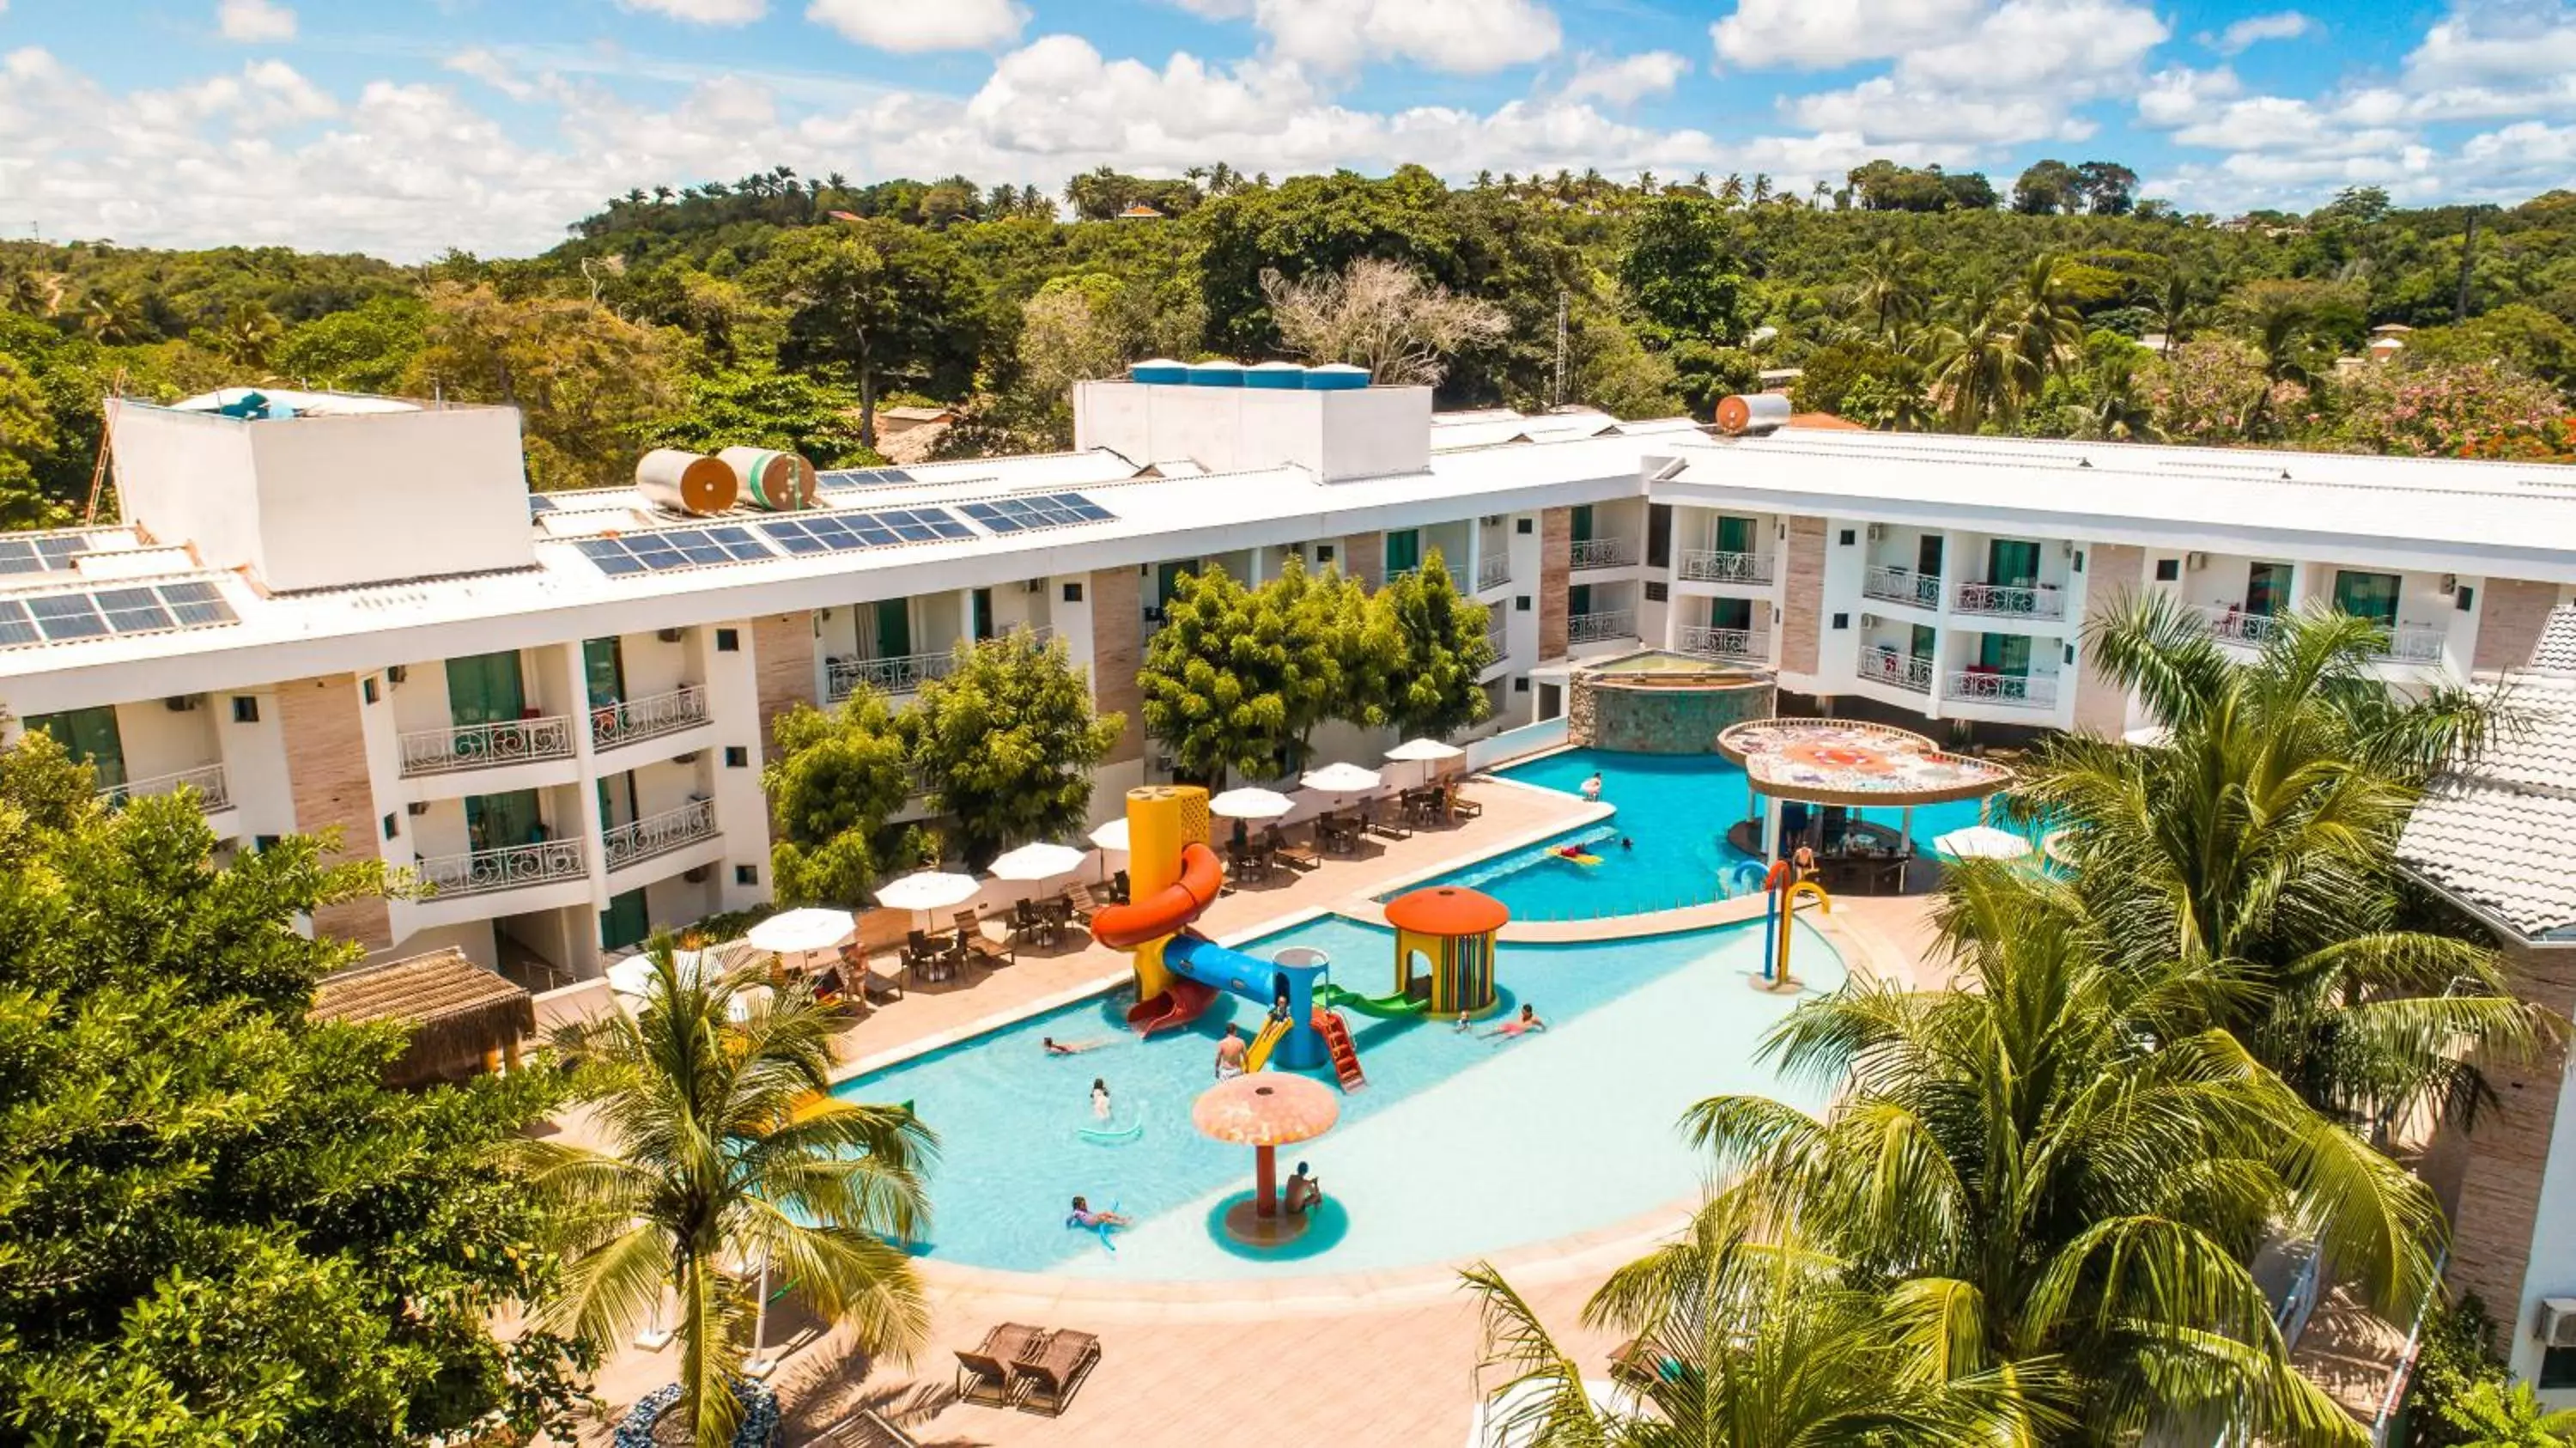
x,y
206,779
1710,565
2236,626
2412,643
901,674
1613,623
1902,585
636,841
1885,665
1601,553
2010,600
1493,572
631,721
2035,691
485,746
1724,643
513,867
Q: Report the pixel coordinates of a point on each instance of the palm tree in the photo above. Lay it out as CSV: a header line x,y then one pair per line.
x,y
2492,1415
1761,187
2055,1171
2046,328
2255,844
1732,191
2177,305
1983,372
2119,411
726,1151
1889,291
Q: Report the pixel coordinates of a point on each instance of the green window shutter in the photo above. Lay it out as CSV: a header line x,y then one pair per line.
x,y
2012,563
1403,550
1734,535
2367,595
894,628
603,663
1583,523
88,735
503,821
624,922
485,689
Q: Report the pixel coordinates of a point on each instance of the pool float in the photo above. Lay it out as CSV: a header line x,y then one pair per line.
x,y
1101,1228
1576,855
1129,1132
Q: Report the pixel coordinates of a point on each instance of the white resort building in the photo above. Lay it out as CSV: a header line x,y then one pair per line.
x,y
350,614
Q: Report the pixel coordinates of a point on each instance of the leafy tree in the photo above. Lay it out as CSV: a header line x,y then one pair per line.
x,y
761,406
2046,188
2299,326
835,780
27,435
1681,271
1441,649
1236,679
877,301
2110,189
222,1227
2212,390
366,349
1704,374
1005,743
725,1149
2475,409
2493,1415
2518,336
1833,373
584,380
1380,315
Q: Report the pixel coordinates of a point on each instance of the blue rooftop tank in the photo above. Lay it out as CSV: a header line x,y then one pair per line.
x,y
1336,377
1216,374
1158,369
1284,376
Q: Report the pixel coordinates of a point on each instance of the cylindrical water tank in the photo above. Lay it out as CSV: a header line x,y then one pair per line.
x,y
1216,374
776,481
1285,376
1336,377
686,482
1758,412
1158,369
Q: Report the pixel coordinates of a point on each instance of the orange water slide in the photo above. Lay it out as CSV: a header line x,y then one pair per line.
x,y
1124,927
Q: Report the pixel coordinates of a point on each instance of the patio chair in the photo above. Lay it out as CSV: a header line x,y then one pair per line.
x,y
1052,1372
1296,857
1029,922
984,1375
974,945
927,959
1461,807
1080,904
1384,829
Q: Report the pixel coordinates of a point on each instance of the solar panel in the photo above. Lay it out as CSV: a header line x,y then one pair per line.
x,y
843,478
539,504
840,531
140,608
1046,510
673,548
41,555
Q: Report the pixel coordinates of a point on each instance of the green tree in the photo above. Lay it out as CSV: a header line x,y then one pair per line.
x,y
1236,679
2046,188
835,779
1680,269
879,302
222,1228
1006,741
1440,648
725,1151
2518,336
2494,1415
366,349
757,405
584,380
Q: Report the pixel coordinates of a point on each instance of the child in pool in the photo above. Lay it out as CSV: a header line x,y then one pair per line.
x,y
1084,1216
1100,1097
1526,1023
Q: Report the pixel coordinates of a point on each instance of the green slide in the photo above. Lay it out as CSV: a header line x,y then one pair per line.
x,y
1386,1007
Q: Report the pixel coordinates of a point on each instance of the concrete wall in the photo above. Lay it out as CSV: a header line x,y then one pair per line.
x,y
1363,432
2113,574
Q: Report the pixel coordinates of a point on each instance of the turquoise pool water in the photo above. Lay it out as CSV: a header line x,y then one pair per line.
x,y
1673,809
1458,1146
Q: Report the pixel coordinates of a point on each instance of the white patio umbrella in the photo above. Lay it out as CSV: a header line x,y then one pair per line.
x,y
927,890
1423,751
1982,842
1250,804
802,932
1112,836
1037,862
1340,779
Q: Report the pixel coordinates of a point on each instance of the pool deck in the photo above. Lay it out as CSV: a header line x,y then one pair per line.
x,y
1375,1358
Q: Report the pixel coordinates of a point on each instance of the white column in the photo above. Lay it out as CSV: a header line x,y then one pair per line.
x,y
1770,829
576,685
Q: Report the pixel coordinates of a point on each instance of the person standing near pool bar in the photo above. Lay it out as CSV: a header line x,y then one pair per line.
x,y
1592,788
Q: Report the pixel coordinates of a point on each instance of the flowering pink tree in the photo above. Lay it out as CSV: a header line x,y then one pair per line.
x,y
2214,390
2450,409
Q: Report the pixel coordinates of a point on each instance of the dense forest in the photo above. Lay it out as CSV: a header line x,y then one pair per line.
x,y
789,310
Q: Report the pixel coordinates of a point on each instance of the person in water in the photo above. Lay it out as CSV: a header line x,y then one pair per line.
x,y
1592,786
1626,843
1084,1216
1229,1052
1055,1047
1463,1027
1526,1023
1304,1193
1100,1097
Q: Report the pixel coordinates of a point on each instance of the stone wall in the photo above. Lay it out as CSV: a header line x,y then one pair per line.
x,y
2114,573
2510,618
1661,717
2503,1160
1802,596
782,665
326,765
1117,653
1555,567
1364,558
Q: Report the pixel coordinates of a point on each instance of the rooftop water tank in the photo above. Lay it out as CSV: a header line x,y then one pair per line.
x,y
1336,377
1758,412
1286,376
1158,369
1216,374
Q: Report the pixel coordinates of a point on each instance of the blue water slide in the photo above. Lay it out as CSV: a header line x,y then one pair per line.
x,y
1198,958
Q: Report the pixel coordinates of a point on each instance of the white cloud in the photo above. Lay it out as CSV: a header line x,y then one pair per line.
x,y
1823,34
1880,108
255,21
2180,95
2255,29
918,25
1626,79
1467,36
2014,76
493,71
702,12
2495,44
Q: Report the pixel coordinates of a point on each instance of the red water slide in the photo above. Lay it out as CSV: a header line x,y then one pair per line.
x,y
1177,1006
1124,927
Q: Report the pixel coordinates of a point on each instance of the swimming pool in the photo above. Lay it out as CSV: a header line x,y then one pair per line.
x,y
1674,809
1458,1146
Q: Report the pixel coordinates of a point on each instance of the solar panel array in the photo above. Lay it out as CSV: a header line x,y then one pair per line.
x,y
841,478
540,503
837,532
54,618
41,555
1045,510
673,548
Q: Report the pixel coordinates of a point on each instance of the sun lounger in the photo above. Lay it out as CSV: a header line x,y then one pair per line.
x,y
985,1375
1295,857
866,1428
974,944
1052,1372
1080,900
1385,829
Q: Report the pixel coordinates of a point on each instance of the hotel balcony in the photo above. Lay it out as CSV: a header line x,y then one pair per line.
x,y
1709,565
903,674
1493,571
485,746
514,867
1601,624
2235,626
2002,600
632,721
1902,585
1896,669
1591,553
2412,644
1741,645
661,834
2011,691
207,780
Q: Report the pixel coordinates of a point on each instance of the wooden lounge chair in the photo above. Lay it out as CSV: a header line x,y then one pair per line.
x,y
866,1428
985,1375
1295,857
1079,899
1461,807
1385,829
974,945
1052,1372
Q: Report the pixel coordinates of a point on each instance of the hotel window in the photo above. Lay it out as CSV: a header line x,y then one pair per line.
x,y
728,641
2368,595
1403,550
89,736
737,757
245,709
746,874
2168,569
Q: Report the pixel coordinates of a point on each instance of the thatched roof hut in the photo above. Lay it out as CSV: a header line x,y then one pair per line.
x,y
464,1018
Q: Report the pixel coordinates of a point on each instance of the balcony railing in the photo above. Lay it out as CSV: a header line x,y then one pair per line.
x,y
480,872
1586,628
640,840
901,674
1901,670
1902,585
1602,553
2236,626
2020,691
206,780
1493,571
635,720
2010,601
2413,644
1708,565
485,746
1398,575
1498,638
1726,643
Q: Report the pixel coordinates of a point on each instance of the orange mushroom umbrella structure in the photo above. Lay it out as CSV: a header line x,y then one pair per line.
x,y
1265,1110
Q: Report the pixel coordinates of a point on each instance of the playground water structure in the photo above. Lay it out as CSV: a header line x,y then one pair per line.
x,y
1458,1147
1674,809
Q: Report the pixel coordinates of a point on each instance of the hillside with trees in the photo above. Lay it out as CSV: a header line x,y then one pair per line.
x,y
790,309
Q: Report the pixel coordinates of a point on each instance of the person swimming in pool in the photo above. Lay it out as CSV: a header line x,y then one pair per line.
x,y
1100,1097
1084,1216
1592,786
1055,1047
1626,843
1526,1023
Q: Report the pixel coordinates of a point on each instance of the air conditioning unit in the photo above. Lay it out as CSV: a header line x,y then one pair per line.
x,y
416,808
180,703
2558,1321
397,673
668,635
2450,584
689,758
1877,531
698,876
1869,620
2195,562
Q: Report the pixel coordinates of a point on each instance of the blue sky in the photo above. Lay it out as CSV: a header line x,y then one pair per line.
x,y
402,128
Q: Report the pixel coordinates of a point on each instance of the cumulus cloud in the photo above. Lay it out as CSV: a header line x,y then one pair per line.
x,y
1823,34
2014,75
2255,29
911,26
1466,36
2181,95
702,12
255,21
1623,80
493,71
